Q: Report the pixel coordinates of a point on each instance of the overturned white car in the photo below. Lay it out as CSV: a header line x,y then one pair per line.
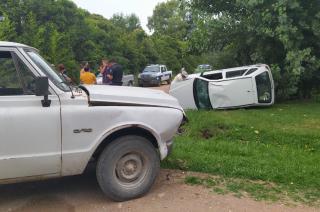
x,y
228,88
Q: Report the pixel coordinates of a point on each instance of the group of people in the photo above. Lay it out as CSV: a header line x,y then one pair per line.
x,y
110,71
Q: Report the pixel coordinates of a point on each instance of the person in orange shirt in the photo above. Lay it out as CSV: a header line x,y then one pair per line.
x,y
83,66
87,77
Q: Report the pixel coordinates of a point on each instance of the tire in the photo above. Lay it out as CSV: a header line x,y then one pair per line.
x,y
130,84
127,168
169,81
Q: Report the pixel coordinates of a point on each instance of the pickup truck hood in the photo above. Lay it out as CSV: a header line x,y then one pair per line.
x,y
150,74
104,95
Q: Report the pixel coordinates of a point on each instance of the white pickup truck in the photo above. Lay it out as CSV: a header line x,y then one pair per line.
x,y
49,129
154,75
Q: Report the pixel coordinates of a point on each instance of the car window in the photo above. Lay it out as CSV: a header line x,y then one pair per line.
x,y
27,77
237,73
250,71
152,69
201,94
46,68
264,90
215,76
163,69
16,78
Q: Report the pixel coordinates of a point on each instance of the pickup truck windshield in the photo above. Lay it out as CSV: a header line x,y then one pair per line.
x,y
58,80
152,69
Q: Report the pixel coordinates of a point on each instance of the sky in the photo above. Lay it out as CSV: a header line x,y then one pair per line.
x,y
107,8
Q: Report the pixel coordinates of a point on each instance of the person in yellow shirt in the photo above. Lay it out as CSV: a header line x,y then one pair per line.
x,y
83,66
87,77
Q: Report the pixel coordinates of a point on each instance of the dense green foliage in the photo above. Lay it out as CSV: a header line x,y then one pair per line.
x,y
66,34
284,34
279,144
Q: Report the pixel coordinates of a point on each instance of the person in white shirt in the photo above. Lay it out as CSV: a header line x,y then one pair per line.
x,y
183,75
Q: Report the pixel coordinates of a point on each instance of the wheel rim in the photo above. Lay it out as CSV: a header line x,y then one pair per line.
x,y
131,169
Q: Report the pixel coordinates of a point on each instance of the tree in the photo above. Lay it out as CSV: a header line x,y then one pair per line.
x,y
171,18
129,23
7,31
284,34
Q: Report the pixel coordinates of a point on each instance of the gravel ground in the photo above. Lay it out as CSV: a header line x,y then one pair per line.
x,y
82,193
164,88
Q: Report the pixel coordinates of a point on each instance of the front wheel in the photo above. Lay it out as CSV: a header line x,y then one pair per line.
x,y
130,84
127,168
169,81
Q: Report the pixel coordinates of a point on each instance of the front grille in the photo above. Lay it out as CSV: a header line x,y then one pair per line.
x,y
146,77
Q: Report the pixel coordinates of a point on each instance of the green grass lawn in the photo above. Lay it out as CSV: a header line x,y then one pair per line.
x,y
279,145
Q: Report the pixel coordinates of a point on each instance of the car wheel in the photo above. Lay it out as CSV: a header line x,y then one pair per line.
x,y
130,84
169,81
127,168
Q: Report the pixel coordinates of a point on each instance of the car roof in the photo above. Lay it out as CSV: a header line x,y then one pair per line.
x,y
11,44
155,65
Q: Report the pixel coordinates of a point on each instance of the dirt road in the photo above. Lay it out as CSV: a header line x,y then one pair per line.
x,y
81,193
164,88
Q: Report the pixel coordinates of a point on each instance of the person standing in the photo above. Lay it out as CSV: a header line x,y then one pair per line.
x,y
87,77
63,73
105,72
116,73
183,75
83,66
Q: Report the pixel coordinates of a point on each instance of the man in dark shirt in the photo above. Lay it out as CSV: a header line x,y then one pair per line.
x,y
116,73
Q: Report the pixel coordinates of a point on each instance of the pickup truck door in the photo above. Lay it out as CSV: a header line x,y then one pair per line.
x,y
30,143
165,74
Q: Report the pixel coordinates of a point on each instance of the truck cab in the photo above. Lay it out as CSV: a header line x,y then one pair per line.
x,y
154,75
50,129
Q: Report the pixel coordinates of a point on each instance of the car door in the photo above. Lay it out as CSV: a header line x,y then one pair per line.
x,y
236,92
162,72
30,143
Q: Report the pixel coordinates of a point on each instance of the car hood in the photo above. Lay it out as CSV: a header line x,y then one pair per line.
x,y
105,95
149,73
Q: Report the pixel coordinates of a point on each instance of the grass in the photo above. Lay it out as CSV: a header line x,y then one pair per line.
x,y
278,145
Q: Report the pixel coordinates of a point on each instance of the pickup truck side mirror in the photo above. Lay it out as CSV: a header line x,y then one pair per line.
x,y
42,89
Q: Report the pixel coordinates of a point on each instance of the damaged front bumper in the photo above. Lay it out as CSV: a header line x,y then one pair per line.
x,y
169,144
184,121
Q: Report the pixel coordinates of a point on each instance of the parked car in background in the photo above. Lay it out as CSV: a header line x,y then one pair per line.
x,y
203,68
154,75
128,80
229,88
50,129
